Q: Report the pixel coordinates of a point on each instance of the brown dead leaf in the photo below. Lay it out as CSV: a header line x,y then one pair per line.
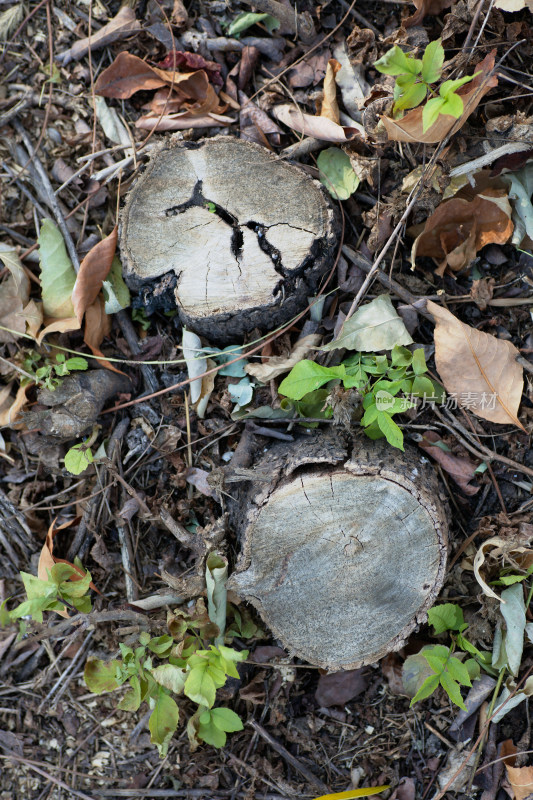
x,y
97,327
277,365
482,291
409,128
120,27
190,62
338,688
180,122
423,8
11,406
460,469
459,228
521,781
330,107
93,271
318,127
478,369
58,326
14,295
129,74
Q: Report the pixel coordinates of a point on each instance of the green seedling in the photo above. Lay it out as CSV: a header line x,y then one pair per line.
x,y
386,387
415,79
181,662
49,371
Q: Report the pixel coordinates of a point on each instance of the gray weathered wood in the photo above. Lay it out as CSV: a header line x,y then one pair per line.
x,y
344,550
228,233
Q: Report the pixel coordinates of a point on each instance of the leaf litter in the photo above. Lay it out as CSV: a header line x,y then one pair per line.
x,y
478,348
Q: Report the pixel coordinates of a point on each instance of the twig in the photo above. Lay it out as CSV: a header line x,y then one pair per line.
x,y
150,381
289,758
51,198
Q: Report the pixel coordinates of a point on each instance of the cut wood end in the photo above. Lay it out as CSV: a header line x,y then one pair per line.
x,y
237,229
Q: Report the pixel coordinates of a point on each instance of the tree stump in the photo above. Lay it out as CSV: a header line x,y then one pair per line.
x,y
343,549
227,233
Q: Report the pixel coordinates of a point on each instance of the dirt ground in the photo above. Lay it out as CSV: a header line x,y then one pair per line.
x,y
64,156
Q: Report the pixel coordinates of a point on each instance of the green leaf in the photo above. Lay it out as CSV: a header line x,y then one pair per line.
x,y
226,720
435,661
242,392
411,97
453,106
431,111
100,676
116,293
452,689
449,87
401,356
171,677
432,61
78,458
209,732
161,645
307,376
458,671
245,20
390,430
336,173
163,722
419,361
216,575
36,588
370,415
396,62
375,326
57,273
472,668
132,699
200,686
427,688
5,616
446,617
513,610
77,363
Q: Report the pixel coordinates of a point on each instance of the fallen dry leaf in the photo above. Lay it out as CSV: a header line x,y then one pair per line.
x,y
423,8
498,547
318,127
58,326
277,365
14,295
330,107
93,271
478,369
338,688
97,327
481,292
11,406
175,59
459,228
409,128
521,781
460,469
120,27
180,122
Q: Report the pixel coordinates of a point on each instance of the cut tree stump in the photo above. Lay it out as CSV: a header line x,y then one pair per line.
x,y
343,549
227,233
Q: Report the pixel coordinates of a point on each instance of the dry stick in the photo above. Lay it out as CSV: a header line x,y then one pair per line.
x,y
290,759
52,200
58,687
473,24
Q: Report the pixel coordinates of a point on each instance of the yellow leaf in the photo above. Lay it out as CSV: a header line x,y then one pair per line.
x,y
364,792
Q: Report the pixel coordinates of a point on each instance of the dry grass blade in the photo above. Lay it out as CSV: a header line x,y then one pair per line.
x,y
480,370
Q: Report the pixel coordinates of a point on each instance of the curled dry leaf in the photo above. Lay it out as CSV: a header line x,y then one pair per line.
x,y
192,62
97,327
478,369
14,295
180,122
318,127
10,406
277,365
92,273
423,8
120,27
459,228
330,107
460,469
410,129
498,547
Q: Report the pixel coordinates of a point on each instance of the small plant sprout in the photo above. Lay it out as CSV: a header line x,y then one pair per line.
x,y
49,371
386,387
79,456
415,79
